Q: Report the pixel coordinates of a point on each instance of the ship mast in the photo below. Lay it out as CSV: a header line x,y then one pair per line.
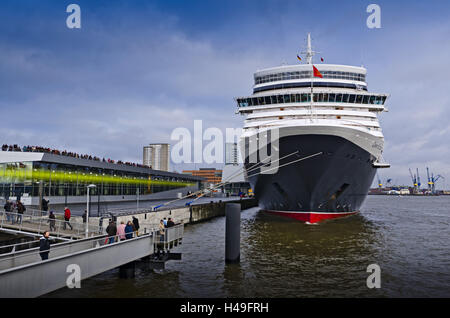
x,y
309,52
309,57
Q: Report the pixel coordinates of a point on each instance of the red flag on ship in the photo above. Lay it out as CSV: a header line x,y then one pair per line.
x,y
316,72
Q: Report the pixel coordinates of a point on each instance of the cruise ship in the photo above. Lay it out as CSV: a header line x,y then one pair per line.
x,y
328,141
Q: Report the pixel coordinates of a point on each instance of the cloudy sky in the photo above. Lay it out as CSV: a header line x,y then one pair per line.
x,y
137,70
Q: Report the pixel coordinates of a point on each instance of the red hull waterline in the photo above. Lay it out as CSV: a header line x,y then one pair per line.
x,y
311,217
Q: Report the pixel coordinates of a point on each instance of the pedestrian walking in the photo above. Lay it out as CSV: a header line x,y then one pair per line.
x,y
129,230
52,221
20,211
111,229
121,230
44,246
136,225
67,218
84,216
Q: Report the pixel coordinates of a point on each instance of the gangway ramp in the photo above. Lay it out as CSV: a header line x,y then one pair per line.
x,y
24,274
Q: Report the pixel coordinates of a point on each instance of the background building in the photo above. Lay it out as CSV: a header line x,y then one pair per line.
x,y
64,179
231,153
211,175
157,156
233,172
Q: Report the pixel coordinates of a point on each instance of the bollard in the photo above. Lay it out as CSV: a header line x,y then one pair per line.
x,y
127,270
232,232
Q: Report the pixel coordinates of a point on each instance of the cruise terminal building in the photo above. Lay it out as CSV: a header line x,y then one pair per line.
x,y
64,180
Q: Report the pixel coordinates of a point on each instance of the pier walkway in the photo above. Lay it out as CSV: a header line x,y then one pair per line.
x,y
24,274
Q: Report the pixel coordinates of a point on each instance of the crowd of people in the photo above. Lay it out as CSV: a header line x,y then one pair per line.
x,y
17,148
14,211
122,231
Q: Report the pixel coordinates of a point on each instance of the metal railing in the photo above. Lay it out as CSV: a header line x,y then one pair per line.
x,y
57,227
20,258
172,237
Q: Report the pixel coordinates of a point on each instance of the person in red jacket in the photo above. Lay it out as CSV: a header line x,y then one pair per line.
x,y
67,218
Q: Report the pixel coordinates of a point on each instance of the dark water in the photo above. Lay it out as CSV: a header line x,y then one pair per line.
x,y
408,237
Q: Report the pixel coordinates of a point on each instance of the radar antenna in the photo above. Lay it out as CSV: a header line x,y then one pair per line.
x,y
309,51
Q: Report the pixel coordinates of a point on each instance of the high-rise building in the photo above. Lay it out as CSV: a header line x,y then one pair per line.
x,y
231,153
157,156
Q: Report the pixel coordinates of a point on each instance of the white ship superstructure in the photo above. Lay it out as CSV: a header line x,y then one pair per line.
x,y
297,103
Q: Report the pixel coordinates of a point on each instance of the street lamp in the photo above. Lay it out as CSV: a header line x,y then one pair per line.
x,y
87,209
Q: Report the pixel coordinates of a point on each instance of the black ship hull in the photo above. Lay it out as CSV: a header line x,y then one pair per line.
x,y
332,184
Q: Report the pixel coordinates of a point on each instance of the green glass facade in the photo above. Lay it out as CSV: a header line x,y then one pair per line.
x,y
56,179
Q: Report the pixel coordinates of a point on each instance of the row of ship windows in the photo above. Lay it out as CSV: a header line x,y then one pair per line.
x,y
347,123
306,116
306,97
308,74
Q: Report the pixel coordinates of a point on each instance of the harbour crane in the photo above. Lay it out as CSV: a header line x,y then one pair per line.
x,y
429,180
433,181
418,179
379,181
413,179
389,182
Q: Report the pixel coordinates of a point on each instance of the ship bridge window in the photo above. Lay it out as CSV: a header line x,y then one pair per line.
x,y
307,74
306,97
